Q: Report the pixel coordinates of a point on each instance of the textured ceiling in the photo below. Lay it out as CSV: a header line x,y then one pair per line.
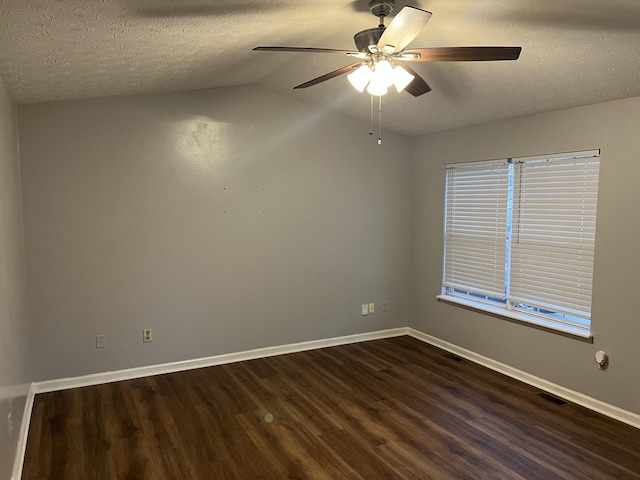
x,y
574,52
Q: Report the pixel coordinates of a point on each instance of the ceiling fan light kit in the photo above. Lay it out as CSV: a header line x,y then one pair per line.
x,y
379,75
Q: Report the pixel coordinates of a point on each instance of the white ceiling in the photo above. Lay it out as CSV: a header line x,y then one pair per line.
x,y
574,52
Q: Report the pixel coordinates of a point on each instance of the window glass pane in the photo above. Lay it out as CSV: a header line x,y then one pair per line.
x,y
476,228
553,241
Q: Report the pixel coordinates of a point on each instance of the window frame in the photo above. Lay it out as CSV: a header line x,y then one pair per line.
x,y
560,321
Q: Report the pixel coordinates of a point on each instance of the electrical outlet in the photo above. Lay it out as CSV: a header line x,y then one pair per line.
x,y
385,307
365,309
146,335
100,341
372,308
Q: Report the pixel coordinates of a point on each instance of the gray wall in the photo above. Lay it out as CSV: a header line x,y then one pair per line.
x,y
14,372
236,218
225,220
614,128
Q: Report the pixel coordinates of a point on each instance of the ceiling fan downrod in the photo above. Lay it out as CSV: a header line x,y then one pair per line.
x,y
381,9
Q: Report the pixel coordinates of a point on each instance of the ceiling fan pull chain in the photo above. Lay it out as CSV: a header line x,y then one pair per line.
x,y
380,121
371,126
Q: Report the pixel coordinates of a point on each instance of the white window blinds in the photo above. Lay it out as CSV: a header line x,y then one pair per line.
x,y
520,235
554,224
476,228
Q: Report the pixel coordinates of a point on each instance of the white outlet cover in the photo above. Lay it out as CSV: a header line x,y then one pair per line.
x,y
365,309
372,308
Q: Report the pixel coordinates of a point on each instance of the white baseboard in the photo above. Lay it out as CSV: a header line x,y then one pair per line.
x,y
591,403
138,372
21,448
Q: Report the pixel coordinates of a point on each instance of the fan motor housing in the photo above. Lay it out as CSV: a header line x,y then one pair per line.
x,y
367,37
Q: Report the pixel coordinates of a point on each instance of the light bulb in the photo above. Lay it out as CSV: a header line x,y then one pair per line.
x,y
401,78
360,77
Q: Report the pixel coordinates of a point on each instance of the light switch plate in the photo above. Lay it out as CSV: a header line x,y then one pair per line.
x,y
365,309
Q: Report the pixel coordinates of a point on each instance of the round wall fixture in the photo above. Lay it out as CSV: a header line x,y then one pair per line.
x,y
601,358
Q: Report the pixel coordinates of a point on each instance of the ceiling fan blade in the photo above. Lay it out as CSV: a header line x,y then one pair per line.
x,y
329,76
463,54
304,49
418,85
404,27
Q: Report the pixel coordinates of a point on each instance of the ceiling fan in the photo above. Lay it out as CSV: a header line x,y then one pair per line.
x,y
382,53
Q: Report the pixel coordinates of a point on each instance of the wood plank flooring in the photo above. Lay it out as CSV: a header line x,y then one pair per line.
x,y
386,409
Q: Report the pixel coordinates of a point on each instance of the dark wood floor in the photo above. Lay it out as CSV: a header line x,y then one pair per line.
x,y
394,408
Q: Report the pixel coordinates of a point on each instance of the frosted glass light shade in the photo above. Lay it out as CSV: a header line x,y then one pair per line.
x,y
377,87
360,77
383,73
401,78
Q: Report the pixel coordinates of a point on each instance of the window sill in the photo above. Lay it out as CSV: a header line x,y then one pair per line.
x,y
528,320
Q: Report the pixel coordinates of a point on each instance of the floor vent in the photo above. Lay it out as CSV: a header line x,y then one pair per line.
x,y
453,357
551,398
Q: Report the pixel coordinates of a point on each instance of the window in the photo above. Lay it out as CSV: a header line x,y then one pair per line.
x,y
520,237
